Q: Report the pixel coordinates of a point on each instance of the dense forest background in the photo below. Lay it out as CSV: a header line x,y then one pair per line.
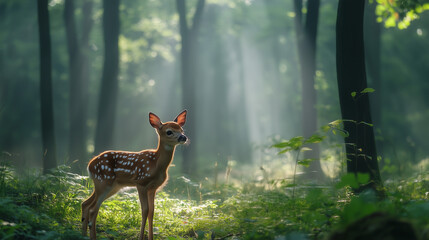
x,y
247,86
307,119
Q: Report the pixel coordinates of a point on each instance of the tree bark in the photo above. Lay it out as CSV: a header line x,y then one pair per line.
x,y
109,80
373,59
77,79
306,39
46,102
351,76
189,64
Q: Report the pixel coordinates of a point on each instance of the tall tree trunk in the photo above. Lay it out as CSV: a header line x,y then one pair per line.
x,y
109,80
78,93
46,103
306,39
351,76
189,64
373,59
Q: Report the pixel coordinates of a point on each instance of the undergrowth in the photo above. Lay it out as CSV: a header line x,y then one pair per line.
x,y
48,207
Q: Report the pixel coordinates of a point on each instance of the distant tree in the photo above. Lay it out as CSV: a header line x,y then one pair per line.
x,y
109,80
78,98
274,12
306,40
241,121
189,63
351,76
46,103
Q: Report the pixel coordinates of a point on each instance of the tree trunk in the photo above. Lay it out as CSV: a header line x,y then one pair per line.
x,y
78,93
373,37
109,80
46,103
373,59
351,76
306,39
188,75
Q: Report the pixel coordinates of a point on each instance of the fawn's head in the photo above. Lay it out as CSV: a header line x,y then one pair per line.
x,y
171,132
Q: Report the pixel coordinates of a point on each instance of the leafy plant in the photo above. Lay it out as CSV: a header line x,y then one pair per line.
x,y
298,144
400,13
48,207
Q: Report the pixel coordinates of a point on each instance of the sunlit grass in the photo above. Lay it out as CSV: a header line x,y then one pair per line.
x,y
48,207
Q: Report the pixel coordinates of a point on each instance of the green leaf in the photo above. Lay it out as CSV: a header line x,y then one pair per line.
x,y
281,145
285,150
305,162
296,142
352,180
315,139
368,90
349,120
336,123
353,94
368,124
363,178
390,22
293,144
325,128
348,180
343,133
304,149
356,209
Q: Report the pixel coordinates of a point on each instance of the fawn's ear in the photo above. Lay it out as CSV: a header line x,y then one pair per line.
x,y
181,118
154,121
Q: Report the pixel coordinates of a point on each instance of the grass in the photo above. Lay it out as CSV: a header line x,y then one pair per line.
x,y
48,207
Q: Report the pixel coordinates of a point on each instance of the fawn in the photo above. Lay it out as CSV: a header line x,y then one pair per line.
x,y
147,170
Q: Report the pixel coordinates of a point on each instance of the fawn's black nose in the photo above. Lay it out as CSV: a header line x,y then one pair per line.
x,y
182,138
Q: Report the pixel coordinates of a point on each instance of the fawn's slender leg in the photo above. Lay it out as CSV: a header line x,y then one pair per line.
x,y
144,208
151,205
102,192
85,212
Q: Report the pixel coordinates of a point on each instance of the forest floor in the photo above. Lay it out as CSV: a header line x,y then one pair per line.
x,y
48,207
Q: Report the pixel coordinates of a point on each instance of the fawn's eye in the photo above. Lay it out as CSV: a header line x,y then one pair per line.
x,y
169,132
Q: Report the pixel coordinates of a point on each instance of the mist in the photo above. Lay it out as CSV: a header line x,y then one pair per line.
x,y
247,85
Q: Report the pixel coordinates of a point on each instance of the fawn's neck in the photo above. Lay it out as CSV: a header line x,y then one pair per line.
x,y
165,153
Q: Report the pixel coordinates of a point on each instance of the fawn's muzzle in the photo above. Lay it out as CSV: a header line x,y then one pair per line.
x,y
182,138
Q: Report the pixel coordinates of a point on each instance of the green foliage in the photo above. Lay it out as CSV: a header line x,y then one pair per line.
x,y
355,96
40,207
400,13
48,207
297,143
353,180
